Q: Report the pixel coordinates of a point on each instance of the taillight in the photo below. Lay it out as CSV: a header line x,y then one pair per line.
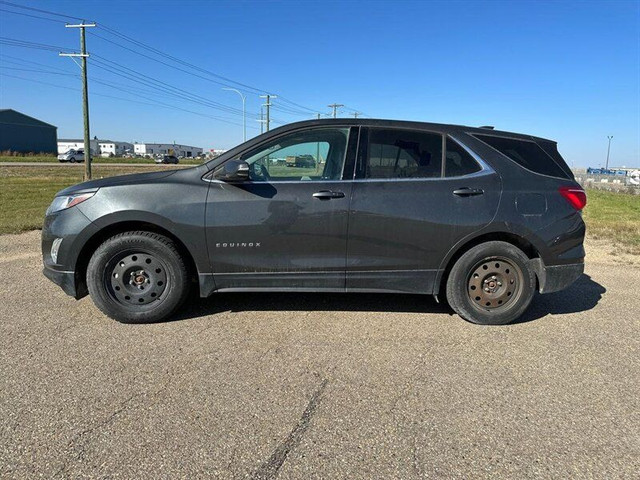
x,y
575,196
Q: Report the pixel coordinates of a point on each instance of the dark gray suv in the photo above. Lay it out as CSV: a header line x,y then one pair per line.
x,y
482,217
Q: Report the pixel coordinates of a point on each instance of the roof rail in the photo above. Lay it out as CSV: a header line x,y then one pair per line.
x,y
488,127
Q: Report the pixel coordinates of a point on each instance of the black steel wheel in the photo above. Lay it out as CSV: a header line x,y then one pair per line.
x,y
137,277
491,284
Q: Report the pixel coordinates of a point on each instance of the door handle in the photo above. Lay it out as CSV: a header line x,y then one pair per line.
x,y
328,195
468,192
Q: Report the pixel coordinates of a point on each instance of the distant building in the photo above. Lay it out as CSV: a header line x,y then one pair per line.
x,y
66,144
111,148
104,148
216,152
166,149
25,134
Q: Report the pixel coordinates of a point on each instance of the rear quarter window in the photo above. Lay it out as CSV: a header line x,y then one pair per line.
x,y
525,153
459,162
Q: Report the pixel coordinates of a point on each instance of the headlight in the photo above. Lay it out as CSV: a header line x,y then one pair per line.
x,y
67,201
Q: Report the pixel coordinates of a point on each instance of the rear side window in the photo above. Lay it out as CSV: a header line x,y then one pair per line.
x,y
459,162
525,153
396,153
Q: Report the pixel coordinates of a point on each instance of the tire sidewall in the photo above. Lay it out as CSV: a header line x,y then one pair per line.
x,y
175,290
457,284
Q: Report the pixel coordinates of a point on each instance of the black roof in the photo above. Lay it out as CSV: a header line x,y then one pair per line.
x,y
440,127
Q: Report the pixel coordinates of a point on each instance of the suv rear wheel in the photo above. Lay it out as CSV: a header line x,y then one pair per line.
x,y
137,277
491,284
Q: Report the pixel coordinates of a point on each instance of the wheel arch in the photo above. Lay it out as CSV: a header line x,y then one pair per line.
x,y
109,231
519,241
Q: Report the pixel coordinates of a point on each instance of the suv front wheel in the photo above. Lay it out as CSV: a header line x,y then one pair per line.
x,y
491,284
137,277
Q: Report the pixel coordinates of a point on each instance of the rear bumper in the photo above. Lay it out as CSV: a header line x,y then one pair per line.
x,y
556,277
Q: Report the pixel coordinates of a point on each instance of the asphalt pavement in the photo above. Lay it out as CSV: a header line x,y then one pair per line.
x,y
300,386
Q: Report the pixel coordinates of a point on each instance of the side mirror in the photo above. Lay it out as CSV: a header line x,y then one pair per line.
x,y
233,171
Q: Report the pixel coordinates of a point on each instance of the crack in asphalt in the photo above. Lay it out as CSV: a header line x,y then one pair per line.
x,y
269,469
75,444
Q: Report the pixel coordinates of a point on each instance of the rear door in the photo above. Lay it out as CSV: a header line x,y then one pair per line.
x,y
286,227
416,194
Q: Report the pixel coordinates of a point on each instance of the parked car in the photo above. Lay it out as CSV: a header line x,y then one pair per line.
x,y
167,159
72,156
300,161
484,218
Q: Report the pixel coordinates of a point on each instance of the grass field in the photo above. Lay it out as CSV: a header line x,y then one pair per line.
x,y
96,160
26,192
614,216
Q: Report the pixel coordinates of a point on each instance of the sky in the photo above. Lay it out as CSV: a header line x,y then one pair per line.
x,y
568,71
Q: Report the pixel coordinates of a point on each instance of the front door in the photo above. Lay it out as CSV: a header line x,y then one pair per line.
x,y
409,207
286,227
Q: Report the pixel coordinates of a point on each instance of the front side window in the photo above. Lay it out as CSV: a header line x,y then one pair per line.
x,y
396,153
317,154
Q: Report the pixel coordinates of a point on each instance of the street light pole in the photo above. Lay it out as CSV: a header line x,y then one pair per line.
x,y
244,112
608,150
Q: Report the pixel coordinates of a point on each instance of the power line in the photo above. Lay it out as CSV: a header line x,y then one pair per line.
x,y
27,44
182,70
151,82
120,87
39,10
153,103
35,70
303,110
32,16
178,60
25,61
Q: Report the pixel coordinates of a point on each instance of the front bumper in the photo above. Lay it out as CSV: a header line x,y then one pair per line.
x,y
65,280
554,278
75,229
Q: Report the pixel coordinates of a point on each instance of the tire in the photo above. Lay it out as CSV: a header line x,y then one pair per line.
x,y
491,284
138,277
73,160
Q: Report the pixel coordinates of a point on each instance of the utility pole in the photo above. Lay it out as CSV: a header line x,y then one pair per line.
x,y
268,104
355,114
244,112
608,151
85,94
335,107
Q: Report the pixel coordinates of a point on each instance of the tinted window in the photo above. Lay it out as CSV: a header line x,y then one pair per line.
x,y
316,154
525,153
459,162
552,149
403,154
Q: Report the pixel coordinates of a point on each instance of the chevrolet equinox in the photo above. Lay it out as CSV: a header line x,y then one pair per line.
x,y
481,217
